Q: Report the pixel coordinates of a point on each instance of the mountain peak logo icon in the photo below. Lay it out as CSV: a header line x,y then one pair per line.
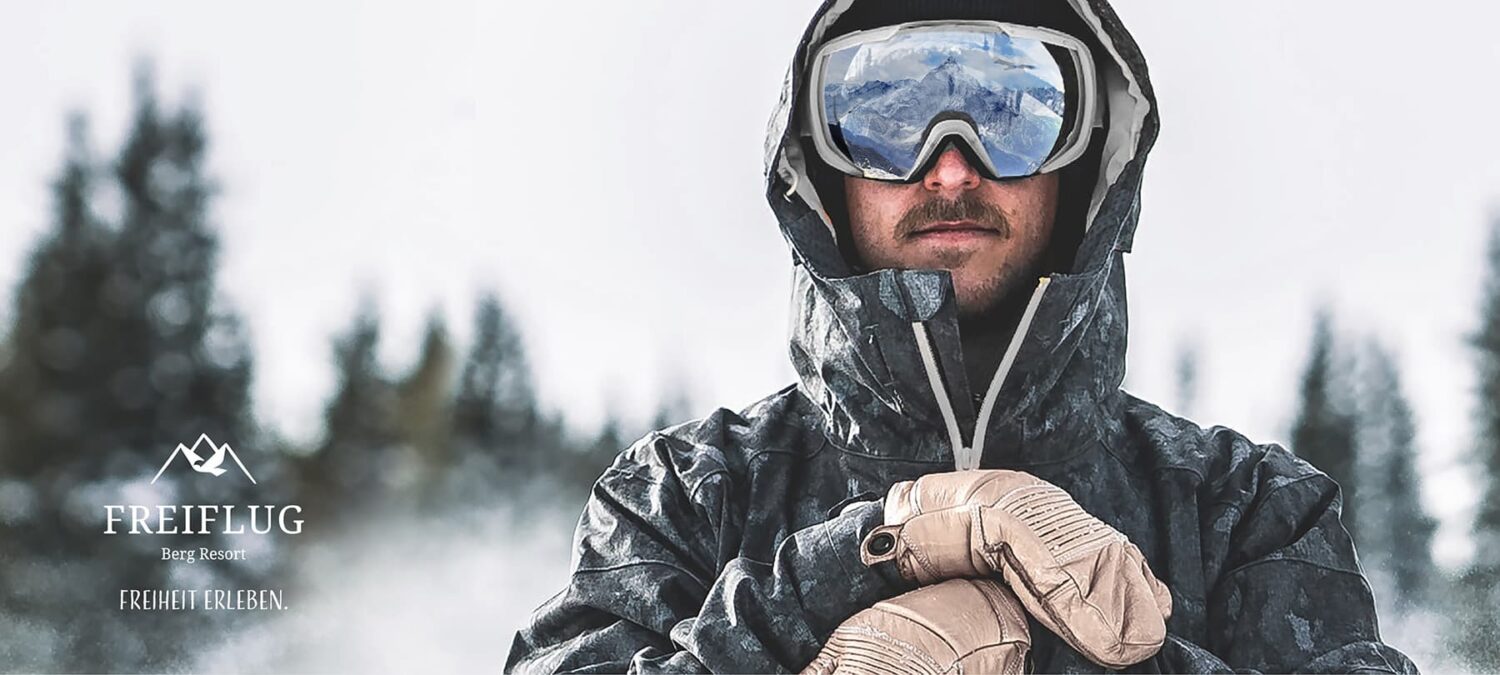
x,y
205,459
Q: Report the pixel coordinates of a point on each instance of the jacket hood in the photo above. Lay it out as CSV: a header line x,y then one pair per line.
x,y
879,353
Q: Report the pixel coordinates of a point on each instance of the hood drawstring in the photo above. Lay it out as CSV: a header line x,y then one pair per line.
x,y
966,457
963,457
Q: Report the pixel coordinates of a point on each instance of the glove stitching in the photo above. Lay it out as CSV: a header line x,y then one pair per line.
x,y
1008,645
1118,643
1013,566
1056,527
1011,611
907,649
977,560
991,478
1068,634
1090,546
1020,497
918,555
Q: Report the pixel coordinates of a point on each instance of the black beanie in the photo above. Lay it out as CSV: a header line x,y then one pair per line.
x,y
1076,180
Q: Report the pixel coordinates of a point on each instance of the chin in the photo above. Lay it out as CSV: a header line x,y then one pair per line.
x,y
976,307
979,302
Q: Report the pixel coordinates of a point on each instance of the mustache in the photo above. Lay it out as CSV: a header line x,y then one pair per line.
x,y
967,207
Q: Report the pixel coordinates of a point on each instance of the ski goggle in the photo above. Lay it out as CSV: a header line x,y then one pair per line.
x,y
1022,98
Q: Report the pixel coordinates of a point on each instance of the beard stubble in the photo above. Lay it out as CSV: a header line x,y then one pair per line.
x,y
993,287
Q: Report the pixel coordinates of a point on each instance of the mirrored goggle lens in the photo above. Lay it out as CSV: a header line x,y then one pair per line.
x,y
880,99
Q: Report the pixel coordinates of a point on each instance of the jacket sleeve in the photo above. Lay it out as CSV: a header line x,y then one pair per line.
x,y
1293,598
649,593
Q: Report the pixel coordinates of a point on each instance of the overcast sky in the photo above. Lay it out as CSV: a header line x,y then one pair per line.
x,y
598,163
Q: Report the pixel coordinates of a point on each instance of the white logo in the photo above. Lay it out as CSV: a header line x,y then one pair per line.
x,y
201,464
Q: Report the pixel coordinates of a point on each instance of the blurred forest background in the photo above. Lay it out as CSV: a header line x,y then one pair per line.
x,y
117,346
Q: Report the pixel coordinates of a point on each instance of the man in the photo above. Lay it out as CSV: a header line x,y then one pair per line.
x,y
957,480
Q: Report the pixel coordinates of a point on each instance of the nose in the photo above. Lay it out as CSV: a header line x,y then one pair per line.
x,y
951,174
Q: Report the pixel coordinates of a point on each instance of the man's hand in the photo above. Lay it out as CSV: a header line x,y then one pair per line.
x,y
1079,577
957,626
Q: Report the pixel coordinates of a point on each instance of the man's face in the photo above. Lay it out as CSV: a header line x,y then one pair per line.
x,y
989,234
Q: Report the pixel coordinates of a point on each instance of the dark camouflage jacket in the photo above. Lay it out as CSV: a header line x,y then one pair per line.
x,y
731,543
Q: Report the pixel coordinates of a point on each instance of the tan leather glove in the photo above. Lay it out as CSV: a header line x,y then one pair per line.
x,y
1079,577
957,626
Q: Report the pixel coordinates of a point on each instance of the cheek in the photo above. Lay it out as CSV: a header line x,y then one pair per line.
x,y
874,210
1046,206
1031,207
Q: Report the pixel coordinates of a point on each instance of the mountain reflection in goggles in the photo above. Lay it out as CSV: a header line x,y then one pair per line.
x,y
882,98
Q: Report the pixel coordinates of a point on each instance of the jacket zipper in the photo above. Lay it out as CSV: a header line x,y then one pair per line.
x,y
966,457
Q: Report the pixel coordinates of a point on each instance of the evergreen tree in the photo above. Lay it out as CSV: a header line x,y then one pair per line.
x,y
361,435
49,393
1324,431
1396,530
586,466
1187,378
48,386
424,404
495,412
185,365
611,440
1476,629
119,351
